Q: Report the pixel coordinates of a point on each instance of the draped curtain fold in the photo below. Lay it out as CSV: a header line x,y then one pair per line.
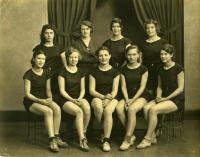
x,y
66,15
169,13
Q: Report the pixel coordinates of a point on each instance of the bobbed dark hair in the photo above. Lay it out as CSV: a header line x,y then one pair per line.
x,y
44,28
155,22
116,20
131,47
169,49
35,54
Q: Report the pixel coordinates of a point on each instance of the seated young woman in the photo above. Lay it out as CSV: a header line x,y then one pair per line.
x,y
103,87
169,93
71,82
133,84
38,99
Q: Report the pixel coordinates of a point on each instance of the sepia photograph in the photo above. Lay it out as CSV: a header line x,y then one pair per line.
x,y
92,78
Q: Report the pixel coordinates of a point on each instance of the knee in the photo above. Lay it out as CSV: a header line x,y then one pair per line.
x,y
57,109
48,112
79,112
107,113
86,108
131,111
146,109
119,110
152,111
98,110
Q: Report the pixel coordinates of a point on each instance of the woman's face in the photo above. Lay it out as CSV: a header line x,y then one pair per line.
x,y
151,29
104,57
116,29
39,60
132,55
73,59
165,56
49,35
85,31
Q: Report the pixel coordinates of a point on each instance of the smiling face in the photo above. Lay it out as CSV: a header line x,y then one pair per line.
x,y
104,57
39,60
151,30
132,55
49,35
73,58
85,31
165,56
116,29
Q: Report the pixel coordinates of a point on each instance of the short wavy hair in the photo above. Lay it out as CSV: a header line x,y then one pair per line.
x,y
155,22
116,20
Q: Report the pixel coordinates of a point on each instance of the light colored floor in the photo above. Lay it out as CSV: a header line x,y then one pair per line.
x,y
13,144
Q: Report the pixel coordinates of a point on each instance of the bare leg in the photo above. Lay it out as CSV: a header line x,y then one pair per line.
x,y
132,110
48,116
86,113
98,108
108,120
162,107
75,110
56,117
121,112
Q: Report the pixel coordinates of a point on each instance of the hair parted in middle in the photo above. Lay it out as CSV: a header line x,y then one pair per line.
x,y
155,22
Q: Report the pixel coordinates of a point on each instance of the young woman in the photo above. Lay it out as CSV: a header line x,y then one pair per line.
x,y
150,48
103,88
133,84
72,88
38,99
117,43
55,56
87,48
169,93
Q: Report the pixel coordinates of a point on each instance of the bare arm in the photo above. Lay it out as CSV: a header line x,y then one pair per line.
x,y
82,90
115,86
63,58
123,87
48,88
61,83
27,90
179,90
142,86
159,88
92,88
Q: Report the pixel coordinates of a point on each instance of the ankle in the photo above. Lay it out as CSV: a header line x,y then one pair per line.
x,y
51,138
106,139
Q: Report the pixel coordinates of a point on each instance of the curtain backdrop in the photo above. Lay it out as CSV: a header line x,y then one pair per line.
x,y
66,15
169,13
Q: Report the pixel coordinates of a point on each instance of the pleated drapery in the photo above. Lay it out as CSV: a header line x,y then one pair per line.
x,y
66,15
169,13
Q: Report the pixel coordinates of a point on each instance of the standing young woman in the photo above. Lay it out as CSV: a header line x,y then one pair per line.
x,y
117,43
169,93
72,88
151,53
55,56
103,88
133,83
38,99
87,48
